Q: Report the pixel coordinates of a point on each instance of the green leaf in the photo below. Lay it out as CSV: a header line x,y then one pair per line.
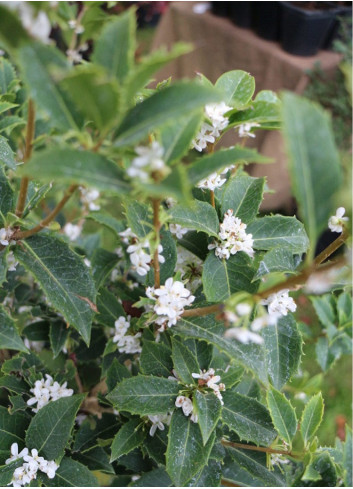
x,y
74,166
144,395
35,194
58,334
251,356
162,107
176,136
36,61
128,437
14,384
6,153
6,196
237,87
324,307
344,310
7,75
200,216
156,446
248,418
283,347
276,260
154,478
325,355
222,278
283,415
208,409
6,471
186,454
109,308
209,476
314,163
9,123
156,359
12,428
50,428
139,218
106,220
260,112
72,474
11,30
347,458
278,231
311,417
204,166
185,362
96,459
63,277
170,257
88,436
243,195
116,373
9,337
102,264
115,47
87,83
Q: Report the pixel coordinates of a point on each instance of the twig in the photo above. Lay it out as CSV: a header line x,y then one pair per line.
x,y
157,227
213,203
202,311
27,154
226,483
242,446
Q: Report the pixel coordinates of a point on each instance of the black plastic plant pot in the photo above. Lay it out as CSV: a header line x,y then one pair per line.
x,y
241,13
220,8
303,32
266,20
342,14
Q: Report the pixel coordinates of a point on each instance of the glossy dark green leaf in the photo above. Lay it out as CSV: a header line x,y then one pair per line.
x,y
35,195
154,478
208,409
311,417
12,428
106,220
102,263
283,415
200,216
6,196
109,308
185,362
209,476
243,195
72,474
58,334
139,218
156,359
90,433
128,437
276,260
9,337
96,459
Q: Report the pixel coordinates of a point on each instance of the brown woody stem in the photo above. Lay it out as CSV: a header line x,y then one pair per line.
x,y
213,203
157,227
242,446
28,151
202,311
50,217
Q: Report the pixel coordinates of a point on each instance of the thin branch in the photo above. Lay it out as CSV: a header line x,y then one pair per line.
x,y
27,154
157,227
226,483
213,203
44,223
242,446
202,311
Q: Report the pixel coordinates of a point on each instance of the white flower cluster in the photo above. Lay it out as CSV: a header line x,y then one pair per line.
x,y
171,298
47,390
5,236
76,27
213,181
11,261
241,334
211,380
186,405
72,231
88,198
32,463
280,303
36,24
209,132
139,259
244,129
148,163
336,222
126,343
158,421
190,267
233,238
178,230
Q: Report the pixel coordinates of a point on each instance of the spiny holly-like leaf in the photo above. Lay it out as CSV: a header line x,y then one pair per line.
x,y
9,337
50,429
243,195
185,362
156,359
72,474
109,308
12,428
109,221
64,278
6,153
278,231
139,218
282,414
200,216
222,278
277,260
186,454
88,436
58,334
248,418
144,395
312,417
283,346
128,437
208,409
209,475
237,87
325,309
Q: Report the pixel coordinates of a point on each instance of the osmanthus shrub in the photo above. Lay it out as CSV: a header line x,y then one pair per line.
x,y
147,332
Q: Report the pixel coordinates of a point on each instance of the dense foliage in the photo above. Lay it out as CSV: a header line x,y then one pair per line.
x,y
147,333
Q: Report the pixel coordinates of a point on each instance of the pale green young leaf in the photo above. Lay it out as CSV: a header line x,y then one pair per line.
x,y
276,260
9,337
283,350
144,395
72,474
50,429
283,415
64,278
115,47
186,454
200,216
237,88
222,278
128,437
68,165
204,166
278,231
313,162
12,428
248,418
6,154
243,195
325,354
208,409
156,359
185,362
311,417
162,107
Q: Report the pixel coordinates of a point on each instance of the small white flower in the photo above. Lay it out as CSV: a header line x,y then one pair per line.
x,y
121,327
211,380
148,161
78,28
88,198
170,202
243,309
158,421
203,137
212,182
336,222
74,55
5,234
11,262
49,468
130,344
243,335
190,267
140,259
280,303
15,454
87,262
215,113
244,129
178,230
57,391
186,405
72,231
127,236
47,390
